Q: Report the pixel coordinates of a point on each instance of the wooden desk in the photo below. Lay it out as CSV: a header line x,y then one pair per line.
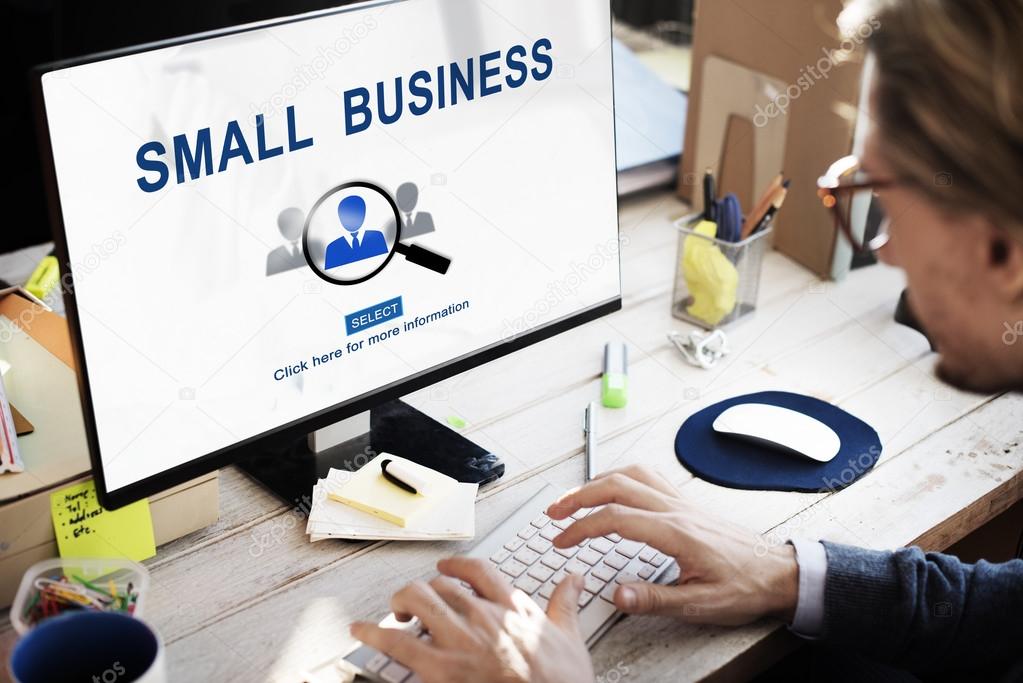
x,y
250,599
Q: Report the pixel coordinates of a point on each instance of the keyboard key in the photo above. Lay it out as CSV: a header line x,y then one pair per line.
x,y
541,521
541,601
593,584
576,567
394,673
581,512
526,556
553,560
527,585
546,590
635,566
647,554
658,559
550,532
616,561
627,577
513,568
601,545
527,533
391,621
589,556
514,544
563,523
377,662
614,538
604,572
646,572
558,576
542,573
628,548
584,598
500,556
567,552
539,545
609,592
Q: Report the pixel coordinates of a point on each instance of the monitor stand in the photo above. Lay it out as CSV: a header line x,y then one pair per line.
x,y
393,427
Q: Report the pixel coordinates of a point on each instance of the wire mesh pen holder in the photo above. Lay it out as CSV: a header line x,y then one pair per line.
x,y
716,282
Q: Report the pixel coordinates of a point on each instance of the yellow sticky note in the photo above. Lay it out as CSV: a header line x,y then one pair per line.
x,y
369,491
85,529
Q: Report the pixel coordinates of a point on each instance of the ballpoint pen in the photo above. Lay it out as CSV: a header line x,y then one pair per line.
x,y
590,430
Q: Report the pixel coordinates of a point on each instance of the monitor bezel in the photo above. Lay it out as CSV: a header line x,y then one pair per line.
x,y
295,429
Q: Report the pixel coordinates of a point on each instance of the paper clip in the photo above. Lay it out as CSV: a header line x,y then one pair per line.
x,y
67,592
702,349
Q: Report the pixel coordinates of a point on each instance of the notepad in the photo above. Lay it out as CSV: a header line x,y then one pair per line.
x,y
454,519
450,518
367,490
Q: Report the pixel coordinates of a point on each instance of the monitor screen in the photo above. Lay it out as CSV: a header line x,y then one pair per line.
x,y
268,224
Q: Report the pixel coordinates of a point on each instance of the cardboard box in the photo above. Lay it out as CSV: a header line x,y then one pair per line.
x,y
35,354
778,42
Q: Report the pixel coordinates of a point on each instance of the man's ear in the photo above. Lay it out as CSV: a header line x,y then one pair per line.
x,y
1003,253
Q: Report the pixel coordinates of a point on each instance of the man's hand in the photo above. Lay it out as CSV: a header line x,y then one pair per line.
x,y
730,576
499,634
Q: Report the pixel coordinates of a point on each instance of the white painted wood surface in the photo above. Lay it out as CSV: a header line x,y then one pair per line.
x,y
250,599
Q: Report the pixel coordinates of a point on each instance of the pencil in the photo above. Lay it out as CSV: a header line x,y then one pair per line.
x,y
779,199
754,217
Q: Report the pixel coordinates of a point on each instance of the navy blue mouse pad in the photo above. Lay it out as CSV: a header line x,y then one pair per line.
x,y
731,462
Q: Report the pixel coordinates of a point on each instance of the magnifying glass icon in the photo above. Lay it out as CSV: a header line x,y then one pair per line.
x,y
352,233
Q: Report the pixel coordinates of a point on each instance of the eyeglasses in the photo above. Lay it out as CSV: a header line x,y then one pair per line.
x,y
839,187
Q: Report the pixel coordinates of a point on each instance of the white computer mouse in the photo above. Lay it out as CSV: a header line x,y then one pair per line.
x,y
782,428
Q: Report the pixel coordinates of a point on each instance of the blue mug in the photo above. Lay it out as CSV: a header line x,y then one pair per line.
x,y
100,647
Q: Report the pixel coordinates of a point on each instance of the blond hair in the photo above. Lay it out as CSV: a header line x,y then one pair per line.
x,y
948,98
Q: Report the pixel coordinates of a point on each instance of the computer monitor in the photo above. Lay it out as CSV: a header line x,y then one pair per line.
x,y
270,229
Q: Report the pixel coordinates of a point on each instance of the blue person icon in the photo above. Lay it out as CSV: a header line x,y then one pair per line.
x,y
355,244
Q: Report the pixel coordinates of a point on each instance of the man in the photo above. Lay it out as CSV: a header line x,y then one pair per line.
x,y
356,244
287,256
945,159
413,223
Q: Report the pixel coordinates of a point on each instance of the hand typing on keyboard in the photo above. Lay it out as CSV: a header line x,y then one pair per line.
x,y
725,580
510,613
480,628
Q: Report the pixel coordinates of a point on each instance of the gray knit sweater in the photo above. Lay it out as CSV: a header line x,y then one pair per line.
x,y
926,613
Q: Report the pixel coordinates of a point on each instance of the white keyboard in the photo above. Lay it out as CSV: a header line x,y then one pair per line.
x,y
521,549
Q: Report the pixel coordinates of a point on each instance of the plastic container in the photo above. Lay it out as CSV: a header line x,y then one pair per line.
x,y
91,576
716,282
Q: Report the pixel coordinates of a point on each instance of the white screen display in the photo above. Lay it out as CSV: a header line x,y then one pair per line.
x,y
228,277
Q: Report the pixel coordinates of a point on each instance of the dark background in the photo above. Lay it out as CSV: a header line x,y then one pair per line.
x,y
648,12
39,31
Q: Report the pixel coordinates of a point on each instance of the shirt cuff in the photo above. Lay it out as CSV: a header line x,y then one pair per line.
x,y
813,567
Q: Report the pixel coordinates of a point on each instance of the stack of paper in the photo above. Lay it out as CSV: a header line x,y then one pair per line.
x,y
376,509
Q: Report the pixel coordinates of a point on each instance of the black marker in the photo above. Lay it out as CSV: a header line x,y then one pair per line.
x,y
395,480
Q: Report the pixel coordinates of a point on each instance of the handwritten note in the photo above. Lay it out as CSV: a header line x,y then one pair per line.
x,y
85,529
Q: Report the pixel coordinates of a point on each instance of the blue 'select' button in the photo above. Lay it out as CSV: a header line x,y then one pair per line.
x,y
374,315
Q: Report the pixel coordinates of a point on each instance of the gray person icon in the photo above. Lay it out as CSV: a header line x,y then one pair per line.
x,y
287,256
413,223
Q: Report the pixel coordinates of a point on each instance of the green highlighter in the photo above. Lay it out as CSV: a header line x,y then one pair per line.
x,y
613,386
